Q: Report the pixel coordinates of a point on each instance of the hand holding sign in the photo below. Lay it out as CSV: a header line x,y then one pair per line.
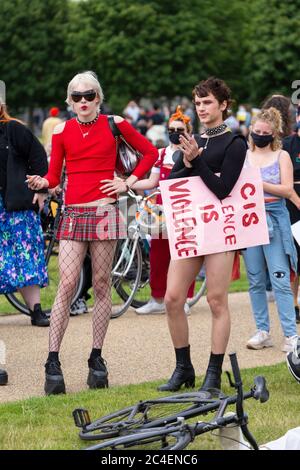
x,y
198,223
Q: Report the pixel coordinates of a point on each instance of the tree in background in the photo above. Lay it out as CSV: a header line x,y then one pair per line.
x,y
153,48
273,45
146,48
32,44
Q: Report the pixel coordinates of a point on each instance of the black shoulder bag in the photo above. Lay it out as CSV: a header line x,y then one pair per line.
x,y
127,157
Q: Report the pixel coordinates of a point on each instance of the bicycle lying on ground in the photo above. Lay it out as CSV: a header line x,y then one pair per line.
x,y
161,423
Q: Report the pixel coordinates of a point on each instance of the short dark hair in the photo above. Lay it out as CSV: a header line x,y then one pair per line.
x,y
283,105
216,87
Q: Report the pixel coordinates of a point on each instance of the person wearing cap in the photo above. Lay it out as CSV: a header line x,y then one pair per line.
x,y
48,127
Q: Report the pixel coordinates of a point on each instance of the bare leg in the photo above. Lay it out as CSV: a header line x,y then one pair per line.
x,y
218,275
31,295
180,276
71,256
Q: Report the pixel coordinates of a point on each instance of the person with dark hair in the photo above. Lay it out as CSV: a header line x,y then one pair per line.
x,y
91,218
279,255
292,145
216,151
284,105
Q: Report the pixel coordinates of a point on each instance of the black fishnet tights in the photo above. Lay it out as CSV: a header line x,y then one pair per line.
x,y
71,256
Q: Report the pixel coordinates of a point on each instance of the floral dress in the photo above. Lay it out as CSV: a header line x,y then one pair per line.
x,y
22,261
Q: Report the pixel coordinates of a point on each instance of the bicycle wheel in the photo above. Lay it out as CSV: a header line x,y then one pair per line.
x,y
175,437
143,292
145,414
48,293
200,287
126,274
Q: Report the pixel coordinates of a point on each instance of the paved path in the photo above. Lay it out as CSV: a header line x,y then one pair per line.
x,y
137,348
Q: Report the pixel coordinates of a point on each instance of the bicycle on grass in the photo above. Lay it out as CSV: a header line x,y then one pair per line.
x,y
161,423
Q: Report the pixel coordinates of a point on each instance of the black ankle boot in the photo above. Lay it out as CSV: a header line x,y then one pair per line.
x,y
54,383
98,374
38,317
3,377
181,375
212,379
212,382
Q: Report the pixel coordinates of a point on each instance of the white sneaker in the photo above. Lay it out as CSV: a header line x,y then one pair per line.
x,y
270,296
231,437
78,307
187,309
289,343
151,307
261,339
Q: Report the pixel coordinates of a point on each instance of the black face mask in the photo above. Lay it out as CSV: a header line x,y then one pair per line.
x,y
261,140
174,137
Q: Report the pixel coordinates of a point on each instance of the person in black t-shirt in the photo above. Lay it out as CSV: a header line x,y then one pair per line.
x,y
292,145
215,151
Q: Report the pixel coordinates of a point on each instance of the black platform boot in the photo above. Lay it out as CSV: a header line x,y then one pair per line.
x,y
212,379
38,317
183,374
98,373
54,383
3,377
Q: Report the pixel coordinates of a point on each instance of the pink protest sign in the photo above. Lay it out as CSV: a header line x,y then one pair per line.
x,y
198,223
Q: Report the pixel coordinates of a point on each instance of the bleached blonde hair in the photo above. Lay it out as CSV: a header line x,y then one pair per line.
x,y
88,78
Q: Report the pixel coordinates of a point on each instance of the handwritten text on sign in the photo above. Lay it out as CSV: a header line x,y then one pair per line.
x,y
198,223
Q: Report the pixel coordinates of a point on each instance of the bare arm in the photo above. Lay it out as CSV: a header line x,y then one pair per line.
x,y
295,199
285,188
147,183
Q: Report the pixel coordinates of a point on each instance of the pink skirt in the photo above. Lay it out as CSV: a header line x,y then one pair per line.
x,y
91,223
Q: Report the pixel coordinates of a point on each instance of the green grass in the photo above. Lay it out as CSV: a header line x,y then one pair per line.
x,y
46,423
48,294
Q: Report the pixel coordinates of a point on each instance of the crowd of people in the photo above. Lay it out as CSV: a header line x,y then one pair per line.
x,y
174,144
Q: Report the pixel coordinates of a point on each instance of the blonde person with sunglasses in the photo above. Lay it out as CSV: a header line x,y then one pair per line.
x,y
91,220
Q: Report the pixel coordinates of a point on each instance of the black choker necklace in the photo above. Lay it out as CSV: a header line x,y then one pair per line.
x,y
88,123
216,130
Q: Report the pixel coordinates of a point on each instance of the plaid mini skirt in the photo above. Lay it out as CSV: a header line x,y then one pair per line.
x,y
91,223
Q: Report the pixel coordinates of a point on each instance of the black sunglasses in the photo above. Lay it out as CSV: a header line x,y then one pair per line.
x,y
180,130
88,95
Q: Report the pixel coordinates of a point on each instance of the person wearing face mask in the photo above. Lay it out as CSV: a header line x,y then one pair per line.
x,y
292,145
279,255
159,252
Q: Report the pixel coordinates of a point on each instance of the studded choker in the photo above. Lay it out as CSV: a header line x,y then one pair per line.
x,y
216,130
88,123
